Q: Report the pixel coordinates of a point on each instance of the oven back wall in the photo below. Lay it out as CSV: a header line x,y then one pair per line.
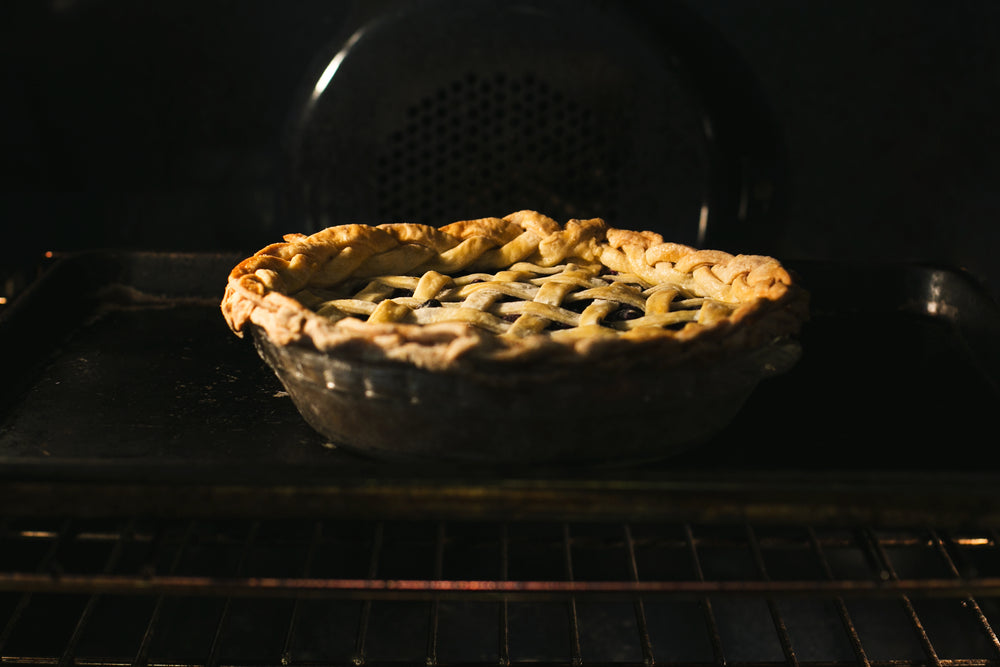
x,y
158,125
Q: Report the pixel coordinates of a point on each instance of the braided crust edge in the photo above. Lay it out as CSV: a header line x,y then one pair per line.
x,y
768,302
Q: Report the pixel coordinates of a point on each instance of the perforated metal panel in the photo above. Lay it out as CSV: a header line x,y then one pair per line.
x,y
488,140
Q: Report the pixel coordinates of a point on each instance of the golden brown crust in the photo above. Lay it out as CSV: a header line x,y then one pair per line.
x,y
744,300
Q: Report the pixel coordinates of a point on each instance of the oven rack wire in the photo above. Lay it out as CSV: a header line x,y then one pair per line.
x,y
246,592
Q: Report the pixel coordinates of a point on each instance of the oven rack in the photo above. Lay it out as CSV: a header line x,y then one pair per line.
x,y
227,592
196,520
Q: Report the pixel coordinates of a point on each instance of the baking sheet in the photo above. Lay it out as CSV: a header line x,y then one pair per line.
x,y
124,387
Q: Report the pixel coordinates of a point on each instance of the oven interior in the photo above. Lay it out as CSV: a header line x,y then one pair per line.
x,y
162,502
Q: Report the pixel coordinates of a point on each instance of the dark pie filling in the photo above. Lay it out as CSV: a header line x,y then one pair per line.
x,y
611,284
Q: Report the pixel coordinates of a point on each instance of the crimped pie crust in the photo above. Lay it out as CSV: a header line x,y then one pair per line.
x,y
515,289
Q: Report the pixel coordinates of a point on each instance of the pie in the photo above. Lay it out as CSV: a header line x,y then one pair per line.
x,y
522,288
514,339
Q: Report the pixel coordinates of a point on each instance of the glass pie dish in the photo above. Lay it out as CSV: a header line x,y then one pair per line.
x,y
515,339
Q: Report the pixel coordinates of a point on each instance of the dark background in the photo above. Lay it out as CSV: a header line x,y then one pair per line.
x,y
156,124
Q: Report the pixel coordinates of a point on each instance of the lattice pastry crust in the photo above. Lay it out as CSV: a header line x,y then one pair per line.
x,y
507,290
